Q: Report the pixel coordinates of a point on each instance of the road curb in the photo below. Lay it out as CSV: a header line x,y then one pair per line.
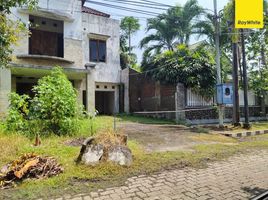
x,y
245,134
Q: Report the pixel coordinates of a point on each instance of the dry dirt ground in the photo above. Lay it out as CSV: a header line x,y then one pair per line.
x,y
162,137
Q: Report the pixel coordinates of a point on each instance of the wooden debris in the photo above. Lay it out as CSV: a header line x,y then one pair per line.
x,y
28,166
32,163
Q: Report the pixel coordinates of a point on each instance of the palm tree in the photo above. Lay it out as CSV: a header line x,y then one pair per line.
x,y
129,26
182,19
163,38
172,28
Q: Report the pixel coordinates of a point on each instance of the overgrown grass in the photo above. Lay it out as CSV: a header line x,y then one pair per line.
x,y
81,178
259,125
97,123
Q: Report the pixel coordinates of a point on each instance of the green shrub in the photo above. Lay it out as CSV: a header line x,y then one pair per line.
x,y
55,103
54,107
18,112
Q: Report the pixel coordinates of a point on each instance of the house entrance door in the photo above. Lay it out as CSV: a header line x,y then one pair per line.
x,y
104,102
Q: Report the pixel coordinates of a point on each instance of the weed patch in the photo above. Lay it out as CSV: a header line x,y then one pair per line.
x,y
81,178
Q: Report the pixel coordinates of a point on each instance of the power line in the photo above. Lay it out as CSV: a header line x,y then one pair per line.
x,y
161,4
140,11
138,4
124,8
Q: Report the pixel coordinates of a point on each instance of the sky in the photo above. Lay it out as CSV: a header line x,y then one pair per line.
x,y
119,14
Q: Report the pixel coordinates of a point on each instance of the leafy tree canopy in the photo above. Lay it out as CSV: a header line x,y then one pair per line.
x,y
126,58
6,5
193,68
129,25
10,30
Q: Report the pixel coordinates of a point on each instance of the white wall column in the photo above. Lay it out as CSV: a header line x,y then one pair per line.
x,y
78,87
116,99
5,89
180,102
90,91
125,80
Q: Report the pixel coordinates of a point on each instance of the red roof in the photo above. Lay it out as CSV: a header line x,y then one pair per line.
x,y
94,12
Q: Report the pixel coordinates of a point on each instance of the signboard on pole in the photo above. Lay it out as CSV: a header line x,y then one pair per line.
x,y
249,14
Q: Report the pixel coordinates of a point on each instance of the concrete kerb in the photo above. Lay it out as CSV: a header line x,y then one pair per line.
x,y
245,134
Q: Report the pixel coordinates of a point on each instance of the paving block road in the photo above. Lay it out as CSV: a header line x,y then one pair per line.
x,y
240,177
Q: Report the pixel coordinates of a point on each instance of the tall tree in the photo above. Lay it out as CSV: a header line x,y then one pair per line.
x,y
257,53
163,37
126,59
9,29
206,28
129,26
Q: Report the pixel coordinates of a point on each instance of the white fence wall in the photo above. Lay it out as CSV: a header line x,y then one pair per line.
x,y
251,98
195,100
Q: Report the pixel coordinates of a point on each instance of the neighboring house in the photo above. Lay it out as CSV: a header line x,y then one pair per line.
x,y
85,42
147,97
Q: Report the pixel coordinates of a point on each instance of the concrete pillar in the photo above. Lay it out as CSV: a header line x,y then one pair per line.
x,y
180,98
125,80
116,99
78,87
90,91
5,89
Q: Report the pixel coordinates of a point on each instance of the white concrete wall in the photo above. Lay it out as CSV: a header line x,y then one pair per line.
x,y
76,37
108,29
251,98
78,27
5,89
72,28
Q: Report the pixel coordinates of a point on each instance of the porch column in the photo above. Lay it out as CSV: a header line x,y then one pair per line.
x,y
90,91
180,102
78,87
116,99
125,79
5,89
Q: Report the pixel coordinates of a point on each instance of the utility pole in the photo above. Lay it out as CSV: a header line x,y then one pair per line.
x,y
245,81
218,64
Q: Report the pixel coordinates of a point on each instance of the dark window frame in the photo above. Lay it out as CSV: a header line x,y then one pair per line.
x,y
98,41
60,38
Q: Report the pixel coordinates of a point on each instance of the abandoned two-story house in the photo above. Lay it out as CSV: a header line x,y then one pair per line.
x,y
85,42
